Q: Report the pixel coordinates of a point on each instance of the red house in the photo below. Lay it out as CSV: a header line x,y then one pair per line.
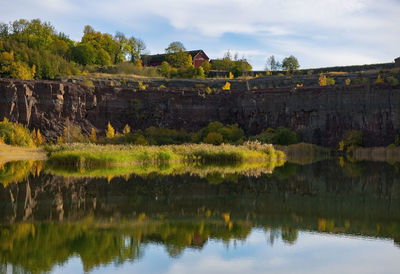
x,y
198,57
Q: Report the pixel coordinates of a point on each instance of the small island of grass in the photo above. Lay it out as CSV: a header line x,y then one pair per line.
x,y
92,156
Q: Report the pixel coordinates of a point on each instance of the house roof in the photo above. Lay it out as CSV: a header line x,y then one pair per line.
x,y
162,57
397,59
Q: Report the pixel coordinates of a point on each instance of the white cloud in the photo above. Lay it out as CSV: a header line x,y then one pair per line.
x,y
327,32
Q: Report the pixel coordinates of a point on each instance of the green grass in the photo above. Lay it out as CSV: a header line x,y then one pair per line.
x,y
88,156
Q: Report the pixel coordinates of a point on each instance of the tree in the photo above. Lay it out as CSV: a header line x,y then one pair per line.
x,y
272,64
135,49
164,69
110,131
122,47
126,130
39,138
290,63
84,53
175,47
93,136
214,138
206,67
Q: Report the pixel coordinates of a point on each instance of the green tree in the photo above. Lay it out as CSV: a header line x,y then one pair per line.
x,y
135,49
84,53
214,138
165,69
175,47
206,67
290,63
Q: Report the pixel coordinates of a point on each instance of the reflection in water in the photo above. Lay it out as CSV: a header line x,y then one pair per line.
x,y
45,219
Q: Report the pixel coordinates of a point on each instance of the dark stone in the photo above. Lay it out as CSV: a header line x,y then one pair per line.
x,y
320,115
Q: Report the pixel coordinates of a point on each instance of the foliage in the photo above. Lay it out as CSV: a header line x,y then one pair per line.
x,y
280,136
206,67
110,131
89,156
392,80
142,86
322,80
33,49
214,138
272,64
93,136
330,81
230,134
379,79
290,63
227,86
37,137
72,134
130,68
126,130
15,134
236,66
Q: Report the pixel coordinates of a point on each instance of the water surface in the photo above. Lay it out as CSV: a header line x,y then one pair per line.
x,y
331,216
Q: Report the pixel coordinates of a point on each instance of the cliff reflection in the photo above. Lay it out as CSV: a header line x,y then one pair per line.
x,y
46,219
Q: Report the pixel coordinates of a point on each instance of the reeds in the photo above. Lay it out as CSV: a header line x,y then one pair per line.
x,y
89,155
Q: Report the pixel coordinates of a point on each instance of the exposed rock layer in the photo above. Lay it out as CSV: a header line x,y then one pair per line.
x,y
319,115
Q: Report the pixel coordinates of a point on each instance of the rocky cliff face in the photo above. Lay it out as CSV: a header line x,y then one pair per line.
x,y
319,115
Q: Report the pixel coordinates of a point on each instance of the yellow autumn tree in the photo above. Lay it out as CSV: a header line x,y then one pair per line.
x,y
322,80
379,79
110,131
227,86
231,75
127,129
93,136
39,138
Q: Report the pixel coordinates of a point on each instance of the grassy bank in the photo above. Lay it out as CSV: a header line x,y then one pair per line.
x,y
89,156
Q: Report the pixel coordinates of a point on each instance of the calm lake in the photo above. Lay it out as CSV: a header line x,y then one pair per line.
x,y
332,216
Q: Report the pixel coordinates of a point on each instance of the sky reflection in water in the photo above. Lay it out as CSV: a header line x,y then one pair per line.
x,y
312,253
326,217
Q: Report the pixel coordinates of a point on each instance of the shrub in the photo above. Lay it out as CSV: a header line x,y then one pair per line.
x,y
280,136
15,134
142,86
284,136
227,86
392,80
214,138
322,80
330,81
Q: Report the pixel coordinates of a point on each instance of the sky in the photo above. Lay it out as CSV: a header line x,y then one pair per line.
x,y
319,33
